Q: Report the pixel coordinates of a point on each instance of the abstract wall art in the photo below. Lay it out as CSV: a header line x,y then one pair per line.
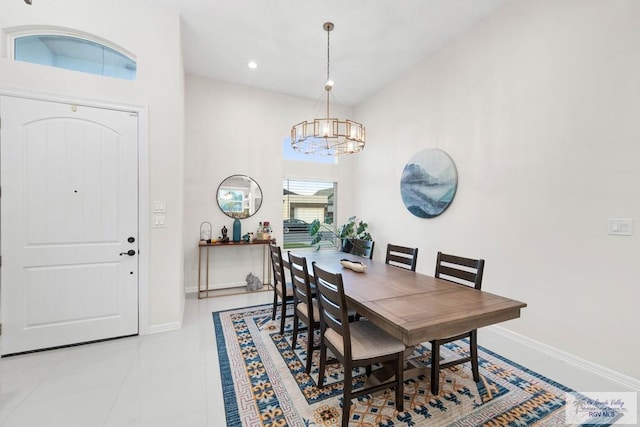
x,y
429,182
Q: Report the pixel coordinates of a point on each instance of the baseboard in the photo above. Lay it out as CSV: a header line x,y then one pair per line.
x,y
164,327
624,380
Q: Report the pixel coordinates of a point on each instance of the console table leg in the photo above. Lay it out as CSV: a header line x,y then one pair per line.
x,y
199,269
206,283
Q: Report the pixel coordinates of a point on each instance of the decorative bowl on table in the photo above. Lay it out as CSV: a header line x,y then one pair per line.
x,y
356,266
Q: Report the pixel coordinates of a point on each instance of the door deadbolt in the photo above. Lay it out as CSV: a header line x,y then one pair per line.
x,y
131,239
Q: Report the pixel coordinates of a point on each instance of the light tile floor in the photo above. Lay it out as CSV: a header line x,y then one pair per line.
x,y
172,378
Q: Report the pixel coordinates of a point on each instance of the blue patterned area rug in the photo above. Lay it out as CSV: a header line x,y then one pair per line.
x,y
265,384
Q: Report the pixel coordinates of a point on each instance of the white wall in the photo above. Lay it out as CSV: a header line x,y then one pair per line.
x,y
539,107
231,130
153,35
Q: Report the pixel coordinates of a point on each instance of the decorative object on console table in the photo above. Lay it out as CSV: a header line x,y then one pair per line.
x,y
237,233
225,238
429,182
264,232
206,231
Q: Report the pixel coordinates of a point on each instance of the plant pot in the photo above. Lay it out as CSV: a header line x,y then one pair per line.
x,y
346,245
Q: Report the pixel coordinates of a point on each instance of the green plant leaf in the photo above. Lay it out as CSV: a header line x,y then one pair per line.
x,y
314,227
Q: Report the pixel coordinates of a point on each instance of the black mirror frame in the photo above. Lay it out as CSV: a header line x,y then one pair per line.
x,y
239,215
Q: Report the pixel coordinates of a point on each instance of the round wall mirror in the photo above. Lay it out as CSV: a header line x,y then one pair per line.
x,y
239,196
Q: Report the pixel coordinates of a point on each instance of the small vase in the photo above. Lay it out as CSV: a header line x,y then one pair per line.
x,y
236,230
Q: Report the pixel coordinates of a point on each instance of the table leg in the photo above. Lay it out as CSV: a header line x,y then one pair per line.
x,y
412,369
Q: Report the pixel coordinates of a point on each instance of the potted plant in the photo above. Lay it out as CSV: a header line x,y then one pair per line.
x,y
355,228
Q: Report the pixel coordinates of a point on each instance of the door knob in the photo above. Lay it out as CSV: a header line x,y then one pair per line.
x,y
130,252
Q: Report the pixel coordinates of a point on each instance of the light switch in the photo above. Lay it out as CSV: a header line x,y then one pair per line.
x,y
159,221
620,226
159,206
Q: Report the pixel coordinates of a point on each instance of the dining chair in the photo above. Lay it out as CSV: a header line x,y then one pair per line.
x,y
354,344
281,289
465,272
402,256
363,248
305,305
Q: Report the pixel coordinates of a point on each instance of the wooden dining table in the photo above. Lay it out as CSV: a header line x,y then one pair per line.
x,y
414,307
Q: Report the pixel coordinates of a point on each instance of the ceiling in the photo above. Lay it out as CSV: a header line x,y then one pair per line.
x,y
373,42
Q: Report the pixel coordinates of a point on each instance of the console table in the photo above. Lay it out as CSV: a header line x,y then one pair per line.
x,y
203,247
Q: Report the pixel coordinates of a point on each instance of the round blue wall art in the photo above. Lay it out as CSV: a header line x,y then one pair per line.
x,y
429,182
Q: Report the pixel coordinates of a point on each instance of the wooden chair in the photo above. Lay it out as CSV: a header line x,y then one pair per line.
x,y
465,272
306,307
401,256
363,248
353,344
281,289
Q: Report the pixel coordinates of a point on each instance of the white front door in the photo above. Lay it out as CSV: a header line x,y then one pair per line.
x,y
69,218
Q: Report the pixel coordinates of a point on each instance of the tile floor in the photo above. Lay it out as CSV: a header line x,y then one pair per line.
x,y
172,378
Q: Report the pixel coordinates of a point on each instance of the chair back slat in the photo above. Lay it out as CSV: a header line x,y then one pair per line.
x,y
300,281
278,268
363,248
332,305
464,271
402,256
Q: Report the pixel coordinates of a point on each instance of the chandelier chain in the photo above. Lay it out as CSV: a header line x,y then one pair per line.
x,y
328,55
327,85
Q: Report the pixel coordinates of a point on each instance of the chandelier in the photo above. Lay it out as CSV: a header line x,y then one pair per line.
x,y
328,136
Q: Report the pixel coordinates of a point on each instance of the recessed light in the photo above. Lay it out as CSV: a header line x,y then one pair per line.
x,y
252,64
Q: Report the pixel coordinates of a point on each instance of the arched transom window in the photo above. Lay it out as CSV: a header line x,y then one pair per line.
x,y
74,53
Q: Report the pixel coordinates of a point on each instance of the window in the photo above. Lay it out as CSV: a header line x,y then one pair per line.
x,y
73,53
288,153
302,203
